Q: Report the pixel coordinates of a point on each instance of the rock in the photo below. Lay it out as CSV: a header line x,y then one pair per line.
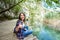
x,y
12,36
6,31
31,37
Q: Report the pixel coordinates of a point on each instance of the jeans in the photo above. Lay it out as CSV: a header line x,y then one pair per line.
x,y
27,32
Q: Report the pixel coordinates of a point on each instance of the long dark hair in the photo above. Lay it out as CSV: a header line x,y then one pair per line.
x,y
20,16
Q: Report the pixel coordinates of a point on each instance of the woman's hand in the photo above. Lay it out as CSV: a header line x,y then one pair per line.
x,y
17,28
20,26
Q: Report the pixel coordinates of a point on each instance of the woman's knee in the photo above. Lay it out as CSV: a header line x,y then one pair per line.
x,y
26,27
28,32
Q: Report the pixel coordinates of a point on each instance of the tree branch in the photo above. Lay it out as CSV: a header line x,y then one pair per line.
x,y
10,7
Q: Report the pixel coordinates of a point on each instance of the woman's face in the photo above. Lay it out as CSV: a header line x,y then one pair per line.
x,y
22,16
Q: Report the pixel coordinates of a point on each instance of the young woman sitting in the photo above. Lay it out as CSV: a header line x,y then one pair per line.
x,y
21,30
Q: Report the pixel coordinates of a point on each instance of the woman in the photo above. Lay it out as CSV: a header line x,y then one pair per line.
x,y
21,29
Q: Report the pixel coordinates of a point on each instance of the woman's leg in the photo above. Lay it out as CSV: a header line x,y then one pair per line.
x,y
26,27
27,32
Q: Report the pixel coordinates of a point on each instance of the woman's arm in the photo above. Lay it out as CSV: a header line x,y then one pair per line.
x,y
17,28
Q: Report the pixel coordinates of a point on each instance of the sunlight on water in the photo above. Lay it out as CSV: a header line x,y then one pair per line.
x,y
44,35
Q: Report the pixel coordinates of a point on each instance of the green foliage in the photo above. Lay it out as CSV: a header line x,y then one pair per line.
x,y
51,3
16,9
9,4
56,1
5,17
52,15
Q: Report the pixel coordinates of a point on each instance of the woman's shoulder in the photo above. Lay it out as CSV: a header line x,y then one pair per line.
x,y
18,21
